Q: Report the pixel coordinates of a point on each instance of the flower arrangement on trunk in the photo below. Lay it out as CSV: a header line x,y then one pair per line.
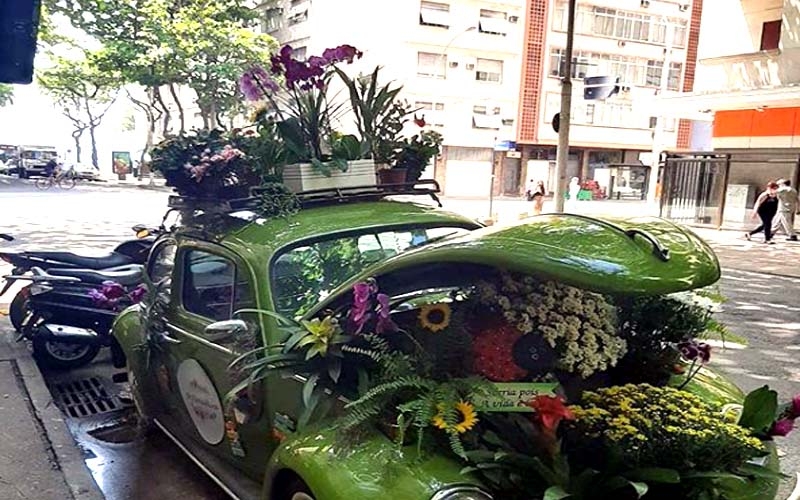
x,y
518,378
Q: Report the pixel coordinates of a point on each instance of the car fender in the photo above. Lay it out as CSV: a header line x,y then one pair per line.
x,y
335,466
128,331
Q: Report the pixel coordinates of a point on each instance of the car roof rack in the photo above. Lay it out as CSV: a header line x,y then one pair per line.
x,y
315,197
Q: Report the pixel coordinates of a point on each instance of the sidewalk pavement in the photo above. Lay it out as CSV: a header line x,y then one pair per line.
x,y
39,458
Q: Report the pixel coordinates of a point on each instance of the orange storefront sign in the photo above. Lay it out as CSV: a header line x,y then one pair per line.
x,y
771,122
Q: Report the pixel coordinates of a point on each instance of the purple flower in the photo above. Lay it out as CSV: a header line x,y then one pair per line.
x,y
113,290
98,299
342,53
794,410
782,427
255,83
362,302
692,350
385,323
138,294
317,61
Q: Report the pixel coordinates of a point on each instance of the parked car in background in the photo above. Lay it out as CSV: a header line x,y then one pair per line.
x,y
33,159
86,172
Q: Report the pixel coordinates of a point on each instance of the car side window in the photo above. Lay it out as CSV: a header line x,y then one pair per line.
x,y
212,286
162,262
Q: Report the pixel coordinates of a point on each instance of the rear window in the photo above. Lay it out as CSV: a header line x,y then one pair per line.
x,y
304,275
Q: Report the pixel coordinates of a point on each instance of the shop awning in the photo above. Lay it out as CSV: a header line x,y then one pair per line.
x,y
693,104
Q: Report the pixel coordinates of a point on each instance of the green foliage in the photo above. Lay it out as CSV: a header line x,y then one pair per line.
x,y
380,117
266,150
415,153
276,200
6,94
760,410
651,326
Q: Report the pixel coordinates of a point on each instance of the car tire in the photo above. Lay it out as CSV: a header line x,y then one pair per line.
x,y
18,308
296,489
61,356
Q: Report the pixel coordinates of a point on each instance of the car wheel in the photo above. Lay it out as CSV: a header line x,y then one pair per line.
x,y
18,308
296,490
63,356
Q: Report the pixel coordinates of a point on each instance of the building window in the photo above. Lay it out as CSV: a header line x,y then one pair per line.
x,y
433,112
508,122
493,22
558,60
299,53
489,70
770,35
298,12
681,32
434,14
622,25
653,76
589,116
431,65
675,73
273,20
479,110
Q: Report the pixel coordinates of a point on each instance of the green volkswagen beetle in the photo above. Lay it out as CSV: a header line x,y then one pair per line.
x,y
213,351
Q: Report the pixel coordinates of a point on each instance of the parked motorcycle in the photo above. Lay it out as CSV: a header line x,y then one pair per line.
x,y
67,315
131,252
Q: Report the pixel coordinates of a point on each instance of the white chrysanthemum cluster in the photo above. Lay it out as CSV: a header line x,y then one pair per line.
x,y
695,299
579,325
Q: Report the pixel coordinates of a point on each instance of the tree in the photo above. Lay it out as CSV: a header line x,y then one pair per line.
x,y
6,94
84,92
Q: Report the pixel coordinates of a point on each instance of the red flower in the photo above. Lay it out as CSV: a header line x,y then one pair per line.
x,y
550,410
493,348
419,121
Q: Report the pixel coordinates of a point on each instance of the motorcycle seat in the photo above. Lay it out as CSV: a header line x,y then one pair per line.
x,y
113,259
126,277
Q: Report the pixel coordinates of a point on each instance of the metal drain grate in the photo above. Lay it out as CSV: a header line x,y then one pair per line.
x,y
84,397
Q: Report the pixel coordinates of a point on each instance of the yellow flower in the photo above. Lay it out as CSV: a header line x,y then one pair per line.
x,y
468,417
438,419
435,317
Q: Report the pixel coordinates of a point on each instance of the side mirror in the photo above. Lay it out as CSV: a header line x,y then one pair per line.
x,y
223,330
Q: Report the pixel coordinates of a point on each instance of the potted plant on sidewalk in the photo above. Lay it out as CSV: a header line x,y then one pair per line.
x,y
416,153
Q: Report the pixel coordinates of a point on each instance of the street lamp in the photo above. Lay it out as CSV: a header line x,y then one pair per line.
x,y
658,130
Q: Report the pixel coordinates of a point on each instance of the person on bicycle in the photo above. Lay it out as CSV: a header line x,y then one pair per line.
x,y
51,168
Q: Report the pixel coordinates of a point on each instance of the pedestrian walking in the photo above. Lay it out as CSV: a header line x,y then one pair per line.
x,y
765,208
787,207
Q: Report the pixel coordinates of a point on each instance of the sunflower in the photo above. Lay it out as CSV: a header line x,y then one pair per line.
x,y
435,317
468,418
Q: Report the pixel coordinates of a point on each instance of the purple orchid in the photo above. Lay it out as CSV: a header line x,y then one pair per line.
x,y
692,350
782,427
362,302
113,290
98,298
794,409
385,323
255,83
138,294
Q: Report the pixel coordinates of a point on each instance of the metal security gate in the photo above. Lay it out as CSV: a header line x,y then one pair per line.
x,y
693,188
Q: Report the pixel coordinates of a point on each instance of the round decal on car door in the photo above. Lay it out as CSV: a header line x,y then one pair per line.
x,y
202,401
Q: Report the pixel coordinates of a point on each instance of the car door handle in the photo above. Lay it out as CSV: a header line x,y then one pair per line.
x,y
169,339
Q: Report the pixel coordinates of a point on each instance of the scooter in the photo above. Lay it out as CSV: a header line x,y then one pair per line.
x,y
65,325
131,252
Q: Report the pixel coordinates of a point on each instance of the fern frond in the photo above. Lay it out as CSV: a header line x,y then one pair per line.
x,y
412,382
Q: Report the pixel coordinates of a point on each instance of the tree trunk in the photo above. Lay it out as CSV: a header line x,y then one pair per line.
x,y
76,135
181,113
167,116
95,160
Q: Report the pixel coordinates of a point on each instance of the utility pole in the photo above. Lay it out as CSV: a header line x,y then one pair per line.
x,y
658,131
562,153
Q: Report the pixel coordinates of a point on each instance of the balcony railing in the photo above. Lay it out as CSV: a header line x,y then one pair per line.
x,y
758,70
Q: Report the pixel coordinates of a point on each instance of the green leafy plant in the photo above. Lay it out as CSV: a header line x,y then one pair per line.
x,y
276,200
415,153
380,117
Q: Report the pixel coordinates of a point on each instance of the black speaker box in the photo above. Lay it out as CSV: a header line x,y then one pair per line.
x,y
19,27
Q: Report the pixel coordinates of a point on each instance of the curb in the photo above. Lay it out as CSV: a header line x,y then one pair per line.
x,y
70,460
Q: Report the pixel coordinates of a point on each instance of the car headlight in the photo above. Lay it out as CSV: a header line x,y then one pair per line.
x,y
463,492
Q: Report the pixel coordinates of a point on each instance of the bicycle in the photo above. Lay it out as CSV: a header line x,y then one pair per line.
x,y
64,181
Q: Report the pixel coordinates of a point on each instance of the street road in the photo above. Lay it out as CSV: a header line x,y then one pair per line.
x,y
761,307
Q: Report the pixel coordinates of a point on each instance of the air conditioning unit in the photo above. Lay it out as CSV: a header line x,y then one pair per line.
x,y
683,7
470,66
622,43
513,19
645,3
453,64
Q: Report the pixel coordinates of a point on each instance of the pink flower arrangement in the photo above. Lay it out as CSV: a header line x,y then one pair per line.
x,y
115,297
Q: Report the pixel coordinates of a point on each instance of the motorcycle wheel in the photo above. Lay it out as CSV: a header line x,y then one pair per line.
x,y
18,308
63,356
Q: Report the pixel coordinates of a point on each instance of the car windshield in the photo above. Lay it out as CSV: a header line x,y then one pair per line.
x,y
305,274
38,154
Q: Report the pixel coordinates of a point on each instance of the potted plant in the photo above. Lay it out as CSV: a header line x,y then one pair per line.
x,y
415,154
379,115
296,96
205,164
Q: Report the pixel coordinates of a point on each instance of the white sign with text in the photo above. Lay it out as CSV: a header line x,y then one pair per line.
x,y
202,401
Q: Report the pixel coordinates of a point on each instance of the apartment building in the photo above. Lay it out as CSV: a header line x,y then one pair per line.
x,y
640,42
748,87
458,60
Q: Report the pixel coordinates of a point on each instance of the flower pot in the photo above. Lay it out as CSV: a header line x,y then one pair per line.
x,y
303,177
392,176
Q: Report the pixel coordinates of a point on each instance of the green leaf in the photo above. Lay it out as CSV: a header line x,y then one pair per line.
x,y
760,407
640,488
308,388
294,339
713,475
654,475
335,369
308,411
555,493
761,471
